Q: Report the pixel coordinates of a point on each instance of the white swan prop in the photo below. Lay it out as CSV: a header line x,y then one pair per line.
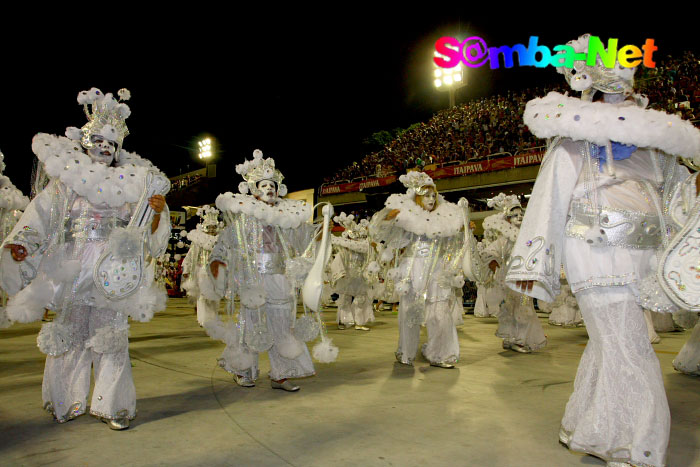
x,y
313,285
472,266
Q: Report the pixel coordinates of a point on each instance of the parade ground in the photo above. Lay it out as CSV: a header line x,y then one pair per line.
x,y
496,408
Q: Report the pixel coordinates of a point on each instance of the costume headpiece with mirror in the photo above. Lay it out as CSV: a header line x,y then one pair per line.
x,y
418,183
257,170
106,117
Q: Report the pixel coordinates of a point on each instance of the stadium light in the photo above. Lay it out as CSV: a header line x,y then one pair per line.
x,y
205,148
448,79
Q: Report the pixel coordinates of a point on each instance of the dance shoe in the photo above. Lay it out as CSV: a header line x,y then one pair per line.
x,y
116,423
243,381
361,328
398,359
341,326
506,345
442,365
285,385
520,348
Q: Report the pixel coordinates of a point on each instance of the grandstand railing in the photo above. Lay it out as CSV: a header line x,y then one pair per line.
x,y
490,162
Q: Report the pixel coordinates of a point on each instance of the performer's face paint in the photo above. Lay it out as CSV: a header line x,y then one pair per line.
x,y
516,217
103,150
267,191
428,200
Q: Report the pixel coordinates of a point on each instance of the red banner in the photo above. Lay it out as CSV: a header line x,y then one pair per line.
x,y
461,170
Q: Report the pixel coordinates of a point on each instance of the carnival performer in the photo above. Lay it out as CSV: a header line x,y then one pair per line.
x,y
489,294
347,278
424,231
597,206
12,203
258,257
518,325
196,262
376,274
564,310
80,250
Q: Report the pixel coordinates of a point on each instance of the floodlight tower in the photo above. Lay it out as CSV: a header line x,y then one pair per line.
x,y
205,149
448,79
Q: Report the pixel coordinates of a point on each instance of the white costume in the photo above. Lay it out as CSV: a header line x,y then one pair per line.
x,y
490,294
428,269
262,248
603,219
564,310
347,278
518,325
678,273
196,262
65,230
12,203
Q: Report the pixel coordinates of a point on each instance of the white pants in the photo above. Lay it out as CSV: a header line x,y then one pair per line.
x,y
355,310
688,359
67,377
442,345
518,323
618,410
279,321
206,310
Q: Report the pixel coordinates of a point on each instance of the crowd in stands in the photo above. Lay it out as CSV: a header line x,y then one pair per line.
x,y
492,125
184,182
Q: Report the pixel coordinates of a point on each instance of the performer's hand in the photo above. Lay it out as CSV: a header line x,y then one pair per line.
x,y
472,225
157,203
19,253
185,276
392,214
525,286
214,266
493,265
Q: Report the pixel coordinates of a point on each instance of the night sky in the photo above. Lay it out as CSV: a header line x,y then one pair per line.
x,y
304,85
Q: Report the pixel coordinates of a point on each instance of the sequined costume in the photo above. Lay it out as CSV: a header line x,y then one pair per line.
x,y
12,203
196,263
261,247
564,310
518,325
65,230
683,210
429,245
346,273
602,217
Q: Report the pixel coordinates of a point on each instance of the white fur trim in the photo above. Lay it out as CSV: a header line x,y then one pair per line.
x,y
10,197
114,186
286,213
444,221
202,239
599,122
325,351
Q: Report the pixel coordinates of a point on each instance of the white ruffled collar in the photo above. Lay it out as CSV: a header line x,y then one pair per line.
x,y
498,223
599,122
202,239
358,246
10,196
64,159
286,213
444,221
